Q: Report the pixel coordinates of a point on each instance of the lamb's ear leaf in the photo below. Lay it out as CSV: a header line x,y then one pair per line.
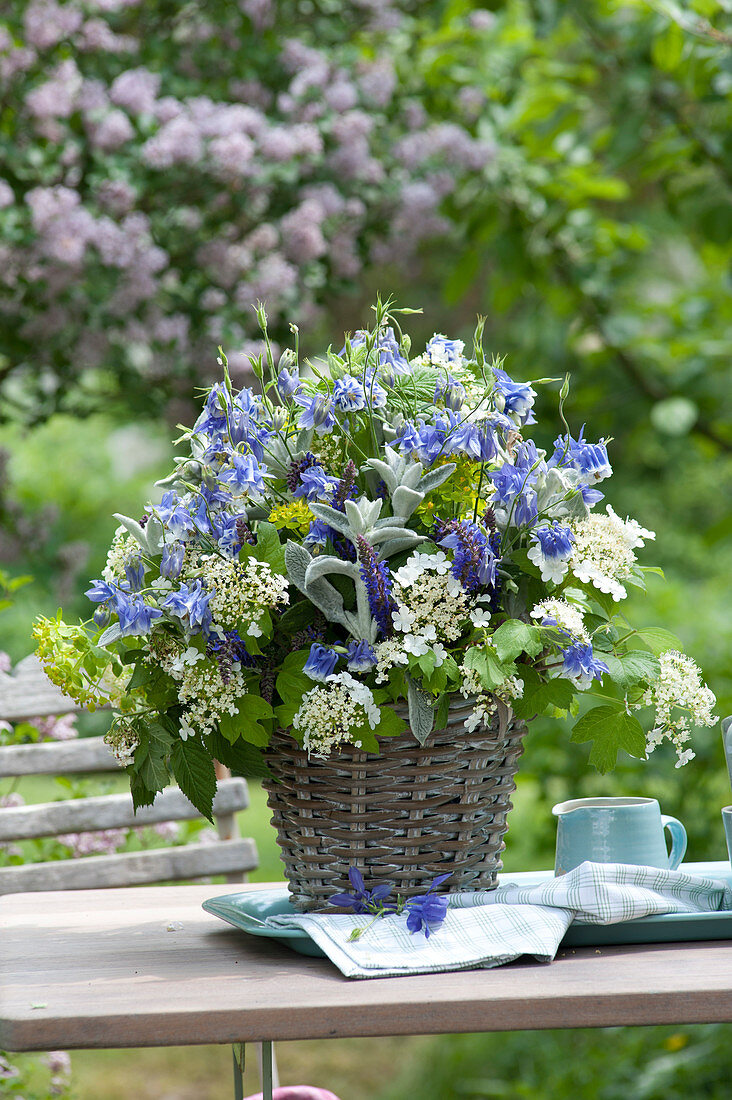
x,y
386,472
134,528
405,500
421,711
328,563
386,533
320,592
395,546
434,478
332,517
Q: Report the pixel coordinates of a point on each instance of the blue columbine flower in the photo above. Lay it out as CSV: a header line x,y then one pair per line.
x,y
244,474
518,397
190,604
321,662
174,515
552,550
348,394
318,533
362,900
426,912
135,573
101,591
288,383
475,562
407,438
172,560
317,412
441,350
590,459
451,392
135,616
581,666
375,395
315,484
431,439
361,656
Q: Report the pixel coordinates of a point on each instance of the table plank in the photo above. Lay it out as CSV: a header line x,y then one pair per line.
x,y
108,973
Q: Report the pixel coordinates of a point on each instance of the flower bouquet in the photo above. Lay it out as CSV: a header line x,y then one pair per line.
x,y
368,570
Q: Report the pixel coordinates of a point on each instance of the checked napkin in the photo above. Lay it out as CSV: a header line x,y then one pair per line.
x,y
487,928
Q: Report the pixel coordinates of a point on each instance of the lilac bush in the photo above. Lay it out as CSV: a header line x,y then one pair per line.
x,y
164,173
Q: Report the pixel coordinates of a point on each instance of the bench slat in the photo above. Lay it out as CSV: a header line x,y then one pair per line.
x,y
133,868
88,754
112,811
28,693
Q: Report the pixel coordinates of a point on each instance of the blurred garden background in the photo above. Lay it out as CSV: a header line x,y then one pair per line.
x,y
563,168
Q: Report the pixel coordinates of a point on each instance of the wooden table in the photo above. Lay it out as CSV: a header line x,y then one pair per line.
x,y
101,969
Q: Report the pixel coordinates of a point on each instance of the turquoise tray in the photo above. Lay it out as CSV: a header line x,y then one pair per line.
x,y
248,911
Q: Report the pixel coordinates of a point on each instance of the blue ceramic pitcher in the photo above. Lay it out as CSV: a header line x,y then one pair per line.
x,y
616,830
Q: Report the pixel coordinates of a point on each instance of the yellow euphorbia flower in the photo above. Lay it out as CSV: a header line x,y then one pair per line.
x,y
295,517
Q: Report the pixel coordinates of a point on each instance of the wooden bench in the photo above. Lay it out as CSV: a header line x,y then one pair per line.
x,y
27,693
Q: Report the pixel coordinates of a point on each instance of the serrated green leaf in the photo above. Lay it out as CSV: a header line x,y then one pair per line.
x,y
390,724
194,773
539,695
442,712
609,729
142,795
269,548
242,758
515,637
491,671
247,723
632,668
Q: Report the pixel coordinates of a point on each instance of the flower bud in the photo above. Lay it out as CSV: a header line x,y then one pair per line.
x,y
172,560
102,616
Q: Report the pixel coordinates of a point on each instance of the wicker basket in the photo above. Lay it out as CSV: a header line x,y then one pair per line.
x,y
404,816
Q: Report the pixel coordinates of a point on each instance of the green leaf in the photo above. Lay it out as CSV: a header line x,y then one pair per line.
x,y
142,795
141,675
631,668
292,682
491,672
540,696
242,758
194,773
442,712
514,637
253,710
609,729
269,548
390,724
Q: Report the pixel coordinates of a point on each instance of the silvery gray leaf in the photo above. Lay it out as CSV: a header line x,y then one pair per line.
x,y
154,535
328,563
111,634
404,501
434,478
421,711
395,546
332,517
134,528
385,533
355,519
320,592
385,471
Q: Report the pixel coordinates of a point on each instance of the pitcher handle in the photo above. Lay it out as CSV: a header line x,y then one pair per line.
x,y
678,840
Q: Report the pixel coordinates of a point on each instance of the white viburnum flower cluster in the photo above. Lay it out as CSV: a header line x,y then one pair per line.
x,y
241,591
602,554
432,605
563,616
202,689
330,712
484,703
124,548
123,742
679,688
